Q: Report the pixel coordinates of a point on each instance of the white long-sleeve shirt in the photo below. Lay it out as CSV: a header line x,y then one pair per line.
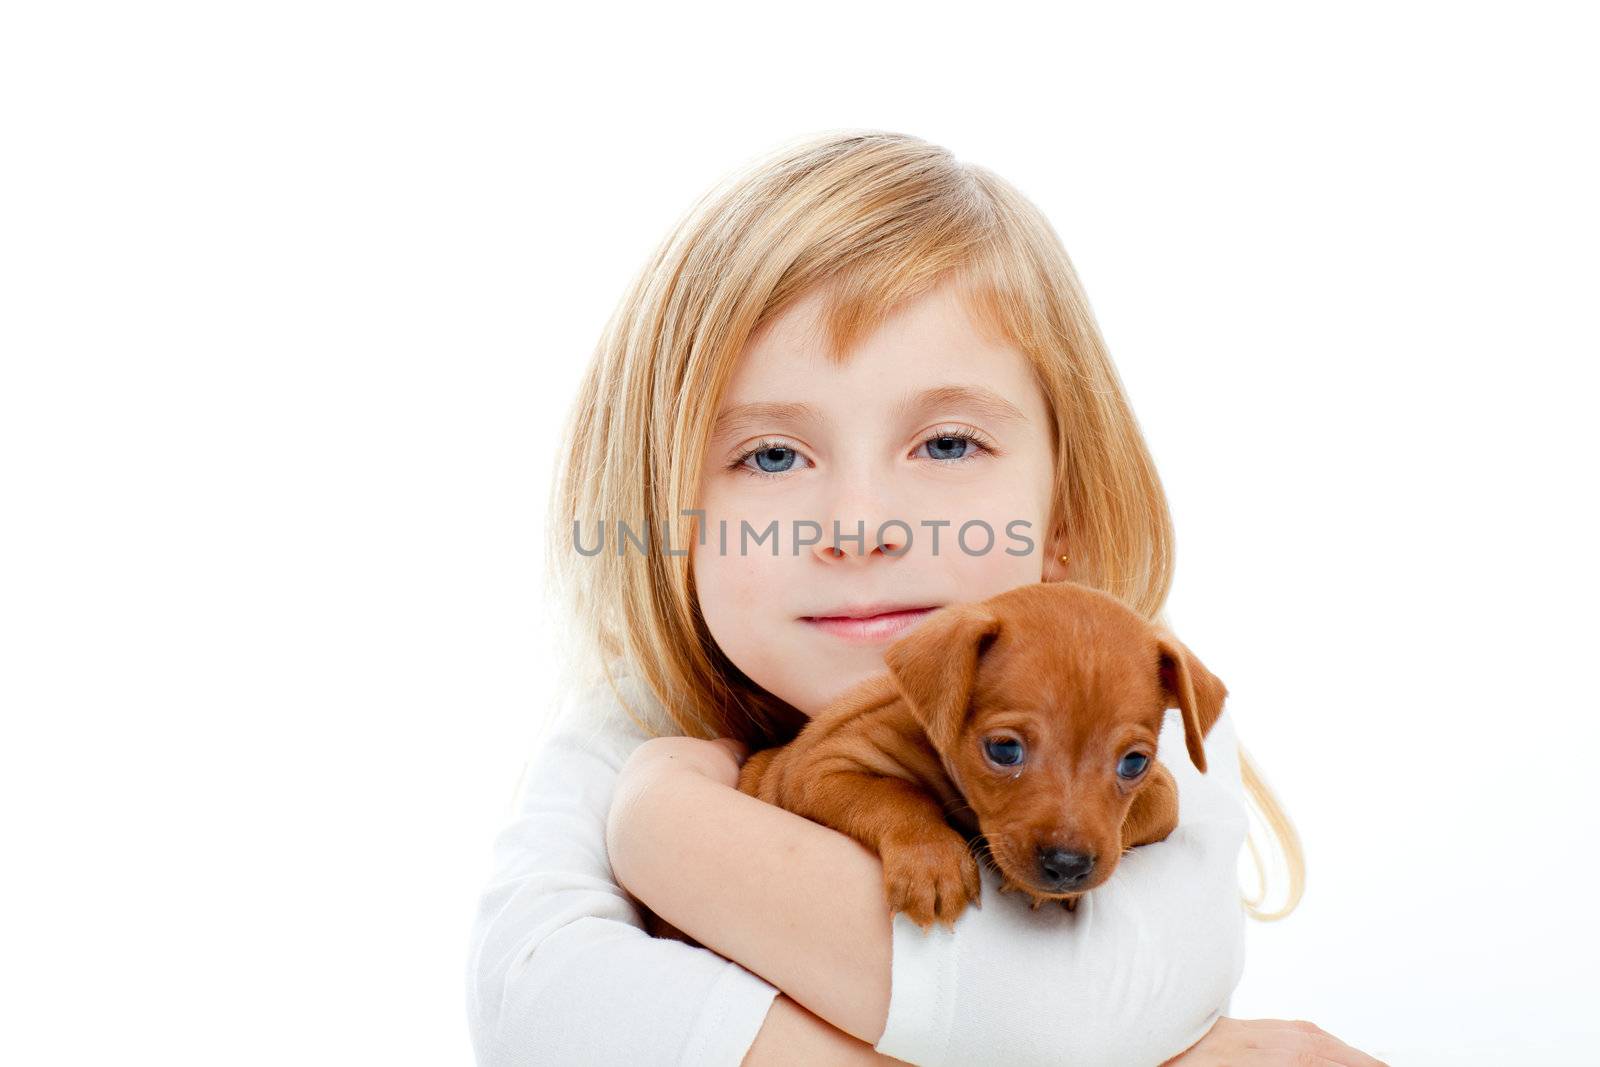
x,y
562,971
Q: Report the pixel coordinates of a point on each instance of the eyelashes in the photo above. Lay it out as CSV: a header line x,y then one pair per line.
x,y
972,438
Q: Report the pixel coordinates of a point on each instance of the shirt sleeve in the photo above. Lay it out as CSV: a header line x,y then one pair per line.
x,y
1139,972
561,969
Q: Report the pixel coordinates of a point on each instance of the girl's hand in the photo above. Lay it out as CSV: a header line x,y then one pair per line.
x,y
1269,1041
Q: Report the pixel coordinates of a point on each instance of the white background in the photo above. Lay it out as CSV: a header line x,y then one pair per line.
x,y
294,297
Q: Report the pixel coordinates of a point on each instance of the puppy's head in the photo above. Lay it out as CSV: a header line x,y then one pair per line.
x,y
1045,704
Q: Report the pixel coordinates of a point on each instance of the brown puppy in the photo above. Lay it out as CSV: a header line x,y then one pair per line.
x,y
1025,724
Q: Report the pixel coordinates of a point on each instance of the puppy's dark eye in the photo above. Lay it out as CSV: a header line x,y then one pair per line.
x,y
1006,751
1132,765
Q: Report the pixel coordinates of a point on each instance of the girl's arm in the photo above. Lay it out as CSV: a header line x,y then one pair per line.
x,y
1138,973
561,969
795,1037
800,904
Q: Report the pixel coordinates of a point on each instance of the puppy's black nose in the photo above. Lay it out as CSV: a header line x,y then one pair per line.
x,y
1062,868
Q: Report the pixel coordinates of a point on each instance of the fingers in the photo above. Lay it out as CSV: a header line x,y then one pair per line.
x,y
1271,1040
1274,1057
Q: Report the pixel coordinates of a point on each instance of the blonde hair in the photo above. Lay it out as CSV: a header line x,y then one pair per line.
x,y
870,219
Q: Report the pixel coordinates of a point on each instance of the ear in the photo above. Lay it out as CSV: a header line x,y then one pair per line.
x,y
935,665
1056,550
1189,686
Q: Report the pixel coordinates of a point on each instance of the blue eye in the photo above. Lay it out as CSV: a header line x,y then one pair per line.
x,y
948,442
773,459
785,461
956,441
1006,751
1132,765
781,457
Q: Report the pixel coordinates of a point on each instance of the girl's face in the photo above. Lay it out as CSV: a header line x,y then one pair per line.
x,y
806,455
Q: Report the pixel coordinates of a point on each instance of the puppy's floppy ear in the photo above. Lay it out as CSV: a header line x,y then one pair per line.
x,y
1189,686
936,664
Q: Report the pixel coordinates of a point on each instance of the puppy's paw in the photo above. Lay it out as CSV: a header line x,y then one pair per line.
x,y
931,879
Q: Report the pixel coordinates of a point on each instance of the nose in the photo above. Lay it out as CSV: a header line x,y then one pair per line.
x,y
862,537
868,515
1063,869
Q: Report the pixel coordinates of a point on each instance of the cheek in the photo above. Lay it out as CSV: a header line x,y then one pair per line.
x,y
723,583
1015,556
722,579
736,599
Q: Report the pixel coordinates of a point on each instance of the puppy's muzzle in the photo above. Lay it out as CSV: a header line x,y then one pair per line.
x,y
1061,870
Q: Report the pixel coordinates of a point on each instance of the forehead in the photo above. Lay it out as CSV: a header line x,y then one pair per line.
x,y
1082,663
933,341
1118,685
1118,688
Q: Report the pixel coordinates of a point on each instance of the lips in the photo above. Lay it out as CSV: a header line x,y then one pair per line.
x,y
865,611
872,624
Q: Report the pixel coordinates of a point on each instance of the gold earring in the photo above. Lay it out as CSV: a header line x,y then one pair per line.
x,y
1063,561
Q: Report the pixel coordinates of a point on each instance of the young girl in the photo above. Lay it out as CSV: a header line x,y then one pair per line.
x,y
859,379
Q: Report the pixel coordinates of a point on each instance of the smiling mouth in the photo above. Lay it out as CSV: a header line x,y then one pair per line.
x,y
871,629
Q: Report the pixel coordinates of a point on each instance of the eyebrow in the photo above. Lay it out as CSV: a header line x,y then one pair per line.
x,y
985,402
